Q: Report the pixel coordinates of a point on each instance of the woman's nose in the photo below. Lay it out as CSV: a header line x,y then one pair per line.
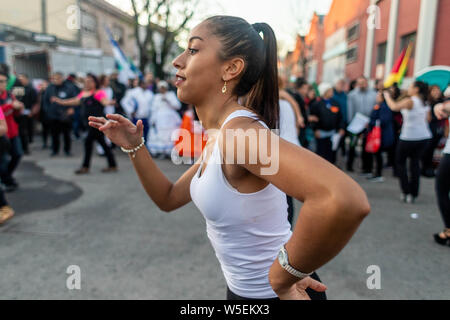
x,y
177,62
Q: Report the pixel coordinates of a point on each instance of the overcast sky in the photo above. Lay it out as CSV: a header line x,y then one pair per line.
x,y
286,17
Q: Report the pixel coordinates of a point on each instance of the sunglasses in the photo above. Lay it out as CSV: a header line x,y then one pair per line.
x,y
3,81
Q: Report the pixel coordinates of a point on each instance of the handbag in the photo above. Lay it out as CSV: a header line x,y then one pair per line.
x,y
373,143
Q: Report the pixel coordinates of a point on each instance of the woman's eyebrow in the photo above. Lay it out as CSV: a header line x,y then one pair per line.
x,y
195,37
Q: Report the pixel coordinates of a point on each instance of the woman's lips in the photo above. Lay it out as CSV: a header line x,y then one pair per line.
x,y
179,81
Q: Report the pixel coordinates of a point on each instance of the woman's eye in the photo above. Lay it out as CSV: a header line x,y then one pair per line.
x,y
192,51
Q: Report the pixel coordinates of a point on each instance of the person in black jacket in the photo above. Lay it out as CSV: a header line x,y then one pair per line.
x,y
299,94
28,97
60,116
326,121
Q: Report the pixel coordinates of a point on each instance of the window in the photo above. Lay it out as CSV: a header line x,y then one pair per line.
x,y
352,54
381,53
88,23
353,32
407,39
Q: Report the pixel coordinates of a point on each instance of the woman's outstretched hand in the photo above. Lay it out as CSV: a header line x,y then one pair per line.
x,y
119,130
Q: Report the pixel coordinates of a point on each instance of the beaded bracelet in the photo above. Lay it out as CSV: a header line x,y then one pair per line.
x,y
134,150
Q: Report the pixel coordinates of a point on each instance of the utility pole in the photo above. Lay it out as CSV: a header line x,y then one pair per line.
x,y
44,16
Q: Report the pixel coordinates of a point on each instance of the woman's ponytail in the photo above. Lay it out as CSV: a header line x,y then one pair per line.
x,y
264,95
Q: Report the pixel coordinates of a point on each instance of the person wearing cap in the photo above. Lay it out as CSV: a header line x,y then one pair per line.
x,y
326,120
137,104
165,120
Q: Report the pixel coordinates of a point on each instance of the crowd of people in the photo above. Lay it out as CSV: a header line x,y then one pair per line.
x,y
411,124
315,117
62,105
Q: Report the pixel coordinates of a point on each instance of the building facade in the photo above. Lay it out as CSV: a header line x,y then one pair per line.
x,y
40,37
365,37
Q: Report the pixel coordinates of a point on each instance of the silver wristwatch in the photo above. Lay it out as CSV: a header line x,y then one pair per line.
x,y
284,262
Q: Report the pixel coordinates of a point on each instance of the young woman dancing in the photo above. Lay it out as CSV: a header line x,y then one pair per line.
x,y
244,202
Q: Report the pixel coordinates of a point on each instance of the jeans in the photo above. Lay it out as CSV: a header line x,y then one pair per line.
x,y
9,165
412,150
443,188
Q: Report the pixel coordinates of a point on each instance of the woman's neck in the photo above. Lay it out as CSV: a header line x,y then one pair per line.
x,y
212,115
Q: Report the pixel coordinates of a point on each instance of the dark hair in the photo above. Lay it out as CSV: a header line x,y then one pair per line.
x,y
300,82
102,79
94,77
423,90
258,82
352,85
2,73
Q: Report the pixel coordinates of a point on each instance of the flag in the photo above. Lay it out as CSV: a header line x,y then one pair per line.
x,y
123,65
399,69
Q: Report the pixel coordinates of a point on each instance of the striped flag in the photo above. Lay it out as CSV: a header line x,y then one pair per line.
x,y
400,67
123,64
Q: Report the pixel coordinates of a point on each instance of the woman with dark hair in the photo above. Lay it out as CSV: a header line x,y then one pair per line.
x,y
437,128
92,101
242,195
442,112
414,137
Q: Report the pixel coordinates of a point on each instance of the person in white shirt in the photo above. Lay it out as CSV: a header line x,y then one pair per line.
x,y
165,120
137,103
442,111
414,137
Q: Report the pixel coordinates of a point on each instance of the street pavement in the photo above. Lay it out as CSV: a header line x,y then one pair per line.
x,y
126,248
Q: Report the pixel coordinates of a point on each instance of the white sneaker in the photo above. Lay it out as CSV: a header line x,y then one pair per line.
x,y
410,199
376,179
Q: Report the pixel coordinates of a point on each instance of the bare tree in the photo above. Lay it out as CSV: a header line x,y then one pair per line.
x,y
163,19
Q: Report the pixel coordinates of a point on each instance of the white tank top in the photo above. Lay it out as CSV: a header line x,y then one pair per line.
x,y
415,124
288,127
246,230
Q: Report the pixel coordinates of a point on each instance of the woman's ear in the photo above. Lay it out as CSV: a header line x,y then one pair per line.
x,y
233,69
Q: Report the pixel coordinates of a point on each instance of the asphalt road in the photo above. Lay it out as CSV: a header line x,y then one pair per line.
x,y
126,248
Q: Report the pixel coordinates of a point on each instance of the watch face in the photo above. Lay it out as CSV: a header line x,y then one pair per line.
x,y
282,258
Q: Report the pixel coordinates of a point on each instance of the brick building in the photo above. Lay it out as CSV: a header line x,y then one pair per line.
x,y
365,37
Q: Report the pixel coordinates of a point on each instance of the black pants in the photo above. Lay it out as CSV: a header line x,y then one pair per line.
x,y
443,188
96,135
26,131
427,157
290,202
314,295
324,148
46,130
378,157
365,157
413,151
57,128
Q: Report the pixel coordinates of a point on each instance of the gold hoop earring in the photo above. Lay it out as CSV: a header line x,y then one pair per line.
x,y
224,88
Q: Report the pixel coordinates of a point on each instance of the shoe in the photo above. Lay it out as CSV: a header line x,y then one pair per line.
x,y
403,197
6,213
410,199
428,173
82,170
376,179
442,241
365,174
110,169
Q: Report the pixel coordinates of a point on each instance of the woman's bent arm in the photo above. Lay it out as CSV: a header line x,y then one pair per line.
x,y
334,205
